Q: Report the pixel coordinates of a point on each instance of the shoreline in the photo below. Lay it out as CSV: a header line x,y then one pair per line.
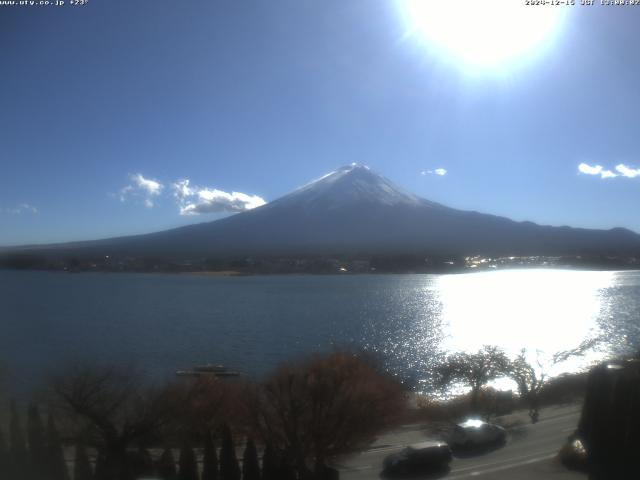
x,y
207,273
238,273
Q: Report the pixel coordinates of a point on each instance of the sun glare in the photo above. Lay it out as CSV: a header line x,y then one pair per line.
x,y
556,310
482,34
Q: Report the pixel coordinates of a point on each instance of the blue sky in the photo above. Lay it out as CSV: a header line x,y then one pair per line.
x,y
106,110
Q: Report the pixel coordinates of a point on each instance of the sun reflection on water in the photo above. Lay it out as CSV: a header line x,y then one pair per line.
x,y
544,311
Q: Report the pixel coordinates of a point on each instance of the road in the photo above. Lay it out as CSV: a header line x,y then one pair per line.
x,y
529,453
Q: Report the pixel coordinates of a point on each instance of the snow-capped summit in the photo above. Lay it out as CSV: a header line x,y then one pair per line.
x,y
350,185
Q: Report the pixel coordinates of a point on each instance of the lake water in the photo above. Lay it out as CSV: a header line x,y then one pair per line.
x,y
166,322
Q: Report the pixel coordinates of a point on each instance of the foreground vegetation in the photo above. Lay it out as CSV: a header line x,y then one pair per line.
x,y
115,426
122,429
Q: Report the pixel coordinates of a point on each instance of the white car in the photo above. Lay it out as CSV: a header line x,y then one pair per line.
x,y
474,434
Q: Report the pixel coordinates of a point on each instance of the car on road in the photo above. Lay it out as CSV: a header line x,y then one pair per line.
x,y
419,458
475,434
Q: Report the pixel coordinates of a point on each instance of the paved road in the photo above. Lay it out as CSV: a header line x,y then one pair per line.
x,y
529,453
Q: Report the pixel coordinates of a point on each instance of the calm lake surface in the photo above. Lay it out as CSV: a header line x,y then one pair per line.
x,y
167,322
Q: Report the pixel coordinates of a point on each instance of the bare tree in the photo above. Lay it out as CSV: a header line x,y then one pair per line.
x,y
209,460
250,464
229,468
269,463
529,381
188,463
18,448
4,456
111,409
55,453
167,466
81,465
37,443
207,404
324,407
584,346
474,370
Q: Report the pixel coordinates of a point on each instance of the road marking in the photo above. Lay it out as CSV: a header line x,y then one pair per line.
x,y
477,473
497,462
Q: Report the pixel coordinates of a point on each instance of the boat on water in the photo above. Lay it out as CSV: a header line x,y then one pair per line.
x,y
208,370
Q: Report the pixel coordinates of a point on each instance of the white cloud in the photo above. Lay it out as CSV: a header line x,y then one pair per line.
x,y
595,170
151,186
589,170
22,208
198,200
621,170
626,171
141,188
438,171
181,189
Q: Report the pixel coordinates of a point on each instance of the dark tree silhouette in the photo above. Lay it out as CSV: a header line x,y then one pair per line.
x,y
286,470
82,466
141,463
529,381
188,464
208,403
167,466
56,463
250,465
99,472
210,459
229,468
18,459
146,463
532,379
474,370
324,472
37,443
324,407
4,457
269,463
114,409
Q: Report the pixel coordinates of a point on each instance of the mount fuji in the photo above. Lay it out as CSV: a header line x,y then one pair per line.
x,y
355,211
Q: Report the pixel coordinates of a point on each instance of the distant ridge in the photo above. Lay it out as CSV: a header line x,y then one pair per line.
x,y
355,211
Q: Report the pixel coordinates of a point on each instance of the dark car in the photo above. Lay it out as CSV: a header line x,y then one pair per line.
x,y
475,434
425,457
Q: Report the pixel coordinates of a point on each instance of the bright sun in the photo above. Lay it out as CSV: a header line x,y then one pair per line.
x,y
482,33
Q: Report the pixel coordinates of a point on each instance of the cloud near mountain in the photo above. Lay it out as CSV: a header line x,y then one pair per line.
x,y
198,200
191,200
141,188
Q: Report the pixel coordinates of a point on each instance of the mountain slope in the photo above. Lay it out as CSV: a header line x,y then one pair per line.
x,y
356,211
